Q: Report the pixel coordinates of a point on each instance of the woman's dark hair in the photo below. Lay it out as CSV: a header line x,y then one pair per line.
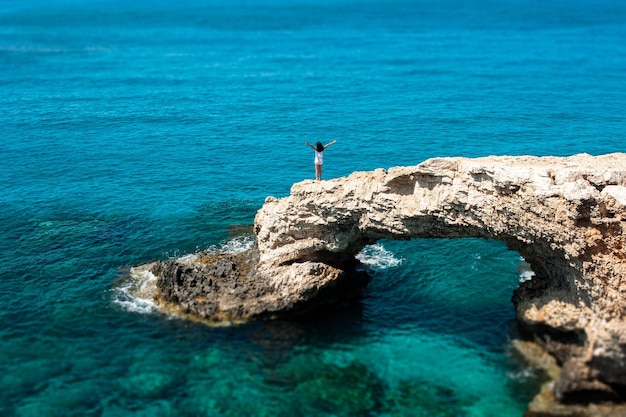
x,y
319,146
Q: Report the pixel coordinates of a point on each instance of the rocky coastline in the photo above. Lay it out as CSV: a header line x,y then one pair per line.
x,y
566,216
226,288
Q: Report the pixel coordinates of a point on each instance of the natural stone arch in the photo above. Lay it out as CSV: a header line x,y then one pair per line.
x,y
562,215
565,216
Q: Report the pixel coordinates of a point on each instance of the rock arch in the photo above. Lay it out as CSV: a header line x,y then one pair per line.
x,y
565,216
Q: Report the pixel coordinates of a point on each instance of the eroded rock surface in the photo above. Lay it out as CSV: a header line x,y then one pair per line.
x,y
565,216
228,288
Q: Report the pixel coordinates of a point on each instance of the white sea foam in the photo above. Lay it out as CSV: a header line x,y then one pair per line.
x,y
526,276
135,293
377,257
525,271
188,259
522,374
235,245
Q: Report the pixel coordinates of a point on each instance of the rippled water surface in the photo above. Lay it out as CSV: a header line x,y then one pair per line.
x,y
136,131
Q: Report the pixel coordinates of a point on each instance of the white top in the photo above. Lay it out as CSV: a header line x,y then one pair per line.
x,y
319,158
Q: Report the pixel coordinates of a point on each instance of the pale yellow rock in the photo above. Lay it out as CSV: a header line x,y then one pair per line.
x,y
565,216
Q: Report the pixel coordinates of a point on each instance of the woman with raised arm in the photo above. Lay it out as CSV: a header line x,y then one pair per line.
x,y
319,157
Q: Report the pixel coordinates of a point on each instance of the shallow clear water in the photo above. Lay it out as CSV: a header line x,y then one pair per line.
x,y
135,131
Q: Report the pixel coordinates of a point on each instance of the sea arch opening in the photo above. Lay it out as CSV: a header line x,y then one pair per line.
x,y
448,301
469,275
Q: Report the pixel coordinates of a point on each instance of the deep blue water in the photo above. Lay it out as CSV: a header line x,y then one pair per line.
x,y
141,130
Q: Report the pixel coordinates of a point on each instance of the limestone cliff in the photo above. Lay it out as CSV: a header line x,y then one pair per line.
x,y
565,216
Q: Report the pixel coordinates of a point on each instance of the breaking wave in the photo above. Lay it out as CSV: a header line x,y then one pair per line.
x,y
378,258
135,293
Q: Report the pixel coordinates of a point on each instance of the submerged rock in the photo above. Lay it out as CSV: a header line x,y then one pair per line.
x,y
350,390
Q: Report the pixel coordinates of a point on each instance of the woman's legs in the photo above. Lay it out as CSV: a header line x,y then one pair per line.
x,y
318,171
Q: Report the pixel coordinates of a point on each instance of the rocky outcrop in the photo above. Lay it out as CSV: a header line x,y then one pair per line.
x,y
229,288
565,216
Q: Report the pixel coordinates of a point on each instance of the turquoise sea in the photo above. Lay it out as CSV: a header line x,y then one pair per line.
x,y
132,131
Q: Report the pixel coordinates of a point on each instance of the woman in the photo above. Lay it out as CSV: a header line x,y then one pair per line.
x,y
319,157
